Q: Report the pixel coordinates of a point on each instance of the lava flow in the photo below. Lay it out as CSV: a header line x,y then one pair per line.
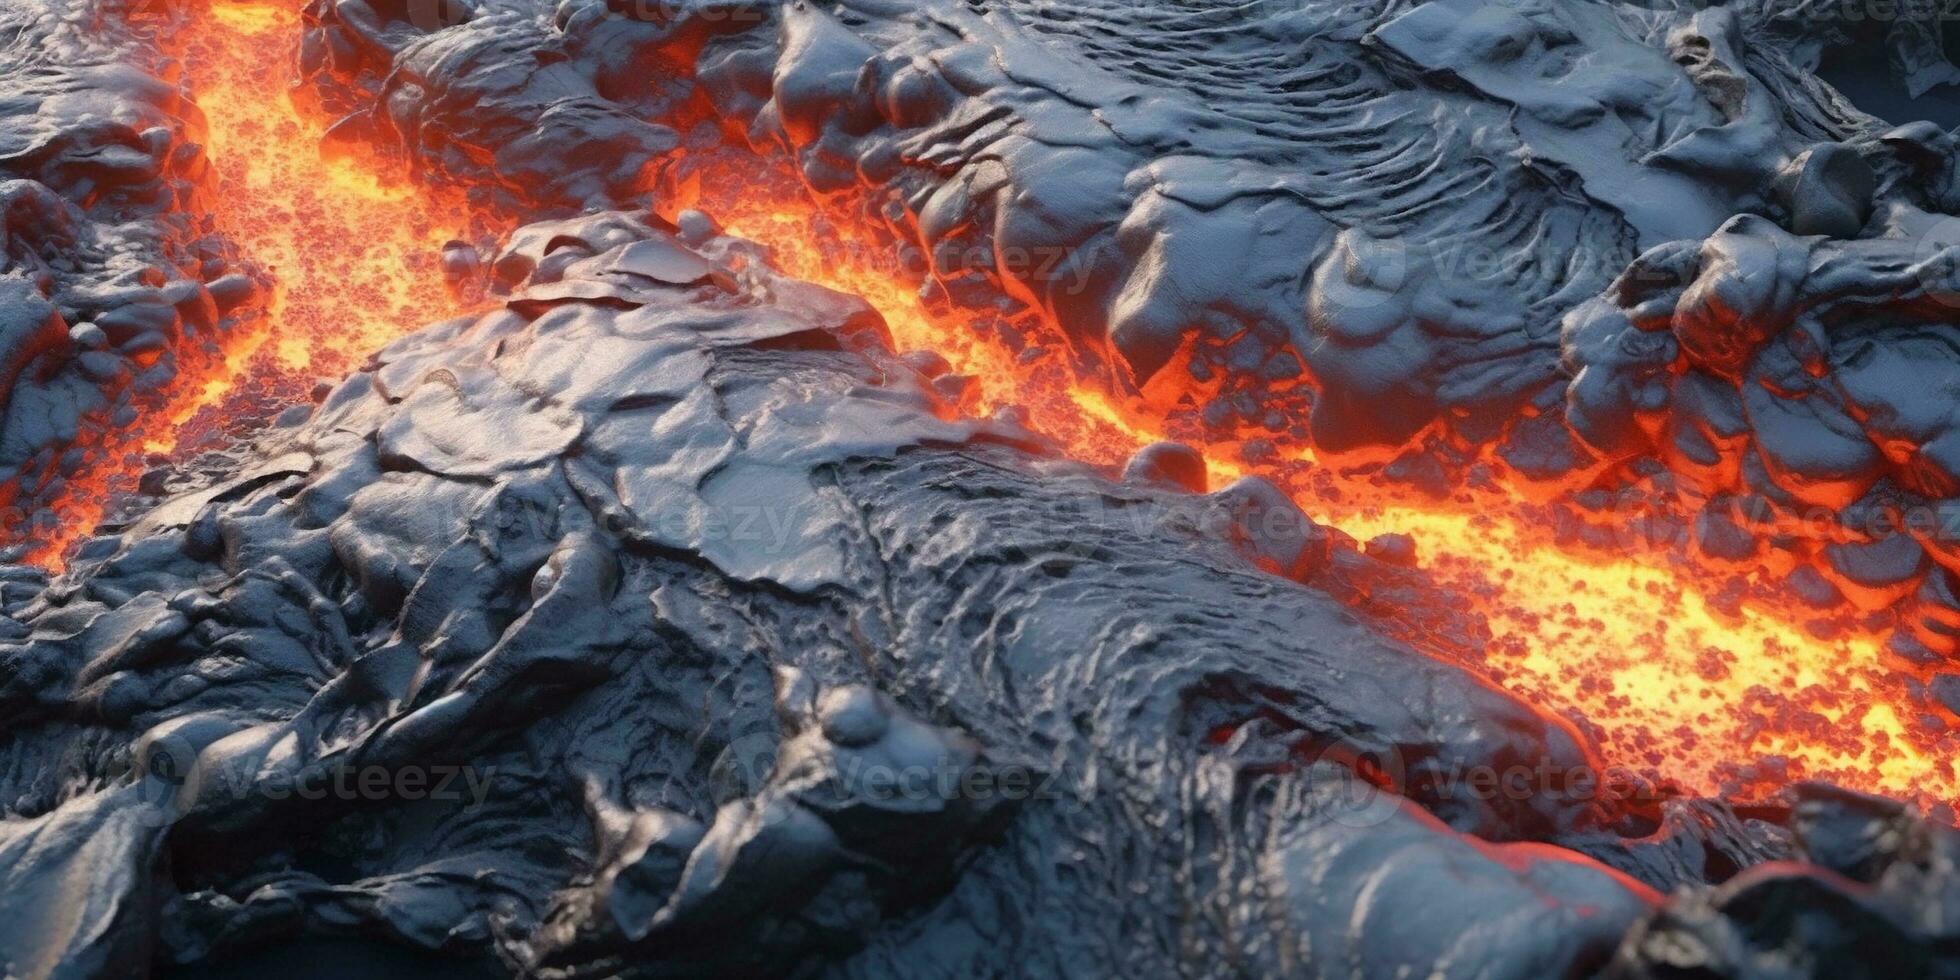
x,y
1720,699
1716,698
352,258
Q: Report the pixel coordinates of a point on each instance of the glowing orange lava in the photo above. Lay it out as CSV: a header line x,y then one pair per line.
x,y
1718,699
353,259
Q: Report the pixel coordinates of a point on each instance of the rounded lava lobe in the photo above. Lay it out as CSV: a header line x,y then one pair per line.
x,y
1368,346
1395,549
1828,191
1743,294
853,717
1169,464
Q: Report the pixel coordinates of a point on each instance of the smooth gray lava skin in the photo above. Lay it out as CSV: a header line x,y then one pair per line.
x,y
1641,247
720,620
674,558
678,565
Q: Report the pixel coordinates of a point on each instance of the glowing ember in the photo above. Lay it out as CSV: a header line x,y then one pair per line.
x,y
353,259
1718,700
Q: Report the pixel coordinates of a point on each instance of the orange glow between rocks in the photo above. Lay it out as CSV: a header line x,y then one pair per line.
x,y
1732,700
353,257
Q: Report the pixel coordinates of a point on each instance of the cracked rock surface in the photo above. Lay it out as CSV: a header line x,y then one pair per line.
x,y
661,621
1641,248
736,653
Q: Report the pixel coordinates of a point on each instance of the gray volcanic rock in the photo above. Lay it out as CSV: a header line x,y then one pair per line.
x,y
1464,222
108,272
1881,901
703,641
661,621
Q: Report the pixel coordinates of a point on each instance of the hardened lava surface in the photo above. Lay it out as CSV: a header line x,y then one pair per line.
x,y
1639,325
671,613
279,196
673,557
661,621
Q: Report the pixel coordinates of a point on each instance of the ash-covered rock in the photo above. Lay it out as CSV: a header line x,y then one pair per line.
x,y
110,272
661,621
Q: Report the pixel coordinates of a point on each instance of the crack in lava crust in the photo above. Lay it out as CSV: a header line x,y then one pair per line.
x,y
1679,682
352,258
1718,697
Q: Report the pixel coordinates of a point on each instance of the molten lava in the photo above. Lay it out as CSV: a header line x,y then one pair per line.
x,y
1717,696
352,259
1713,696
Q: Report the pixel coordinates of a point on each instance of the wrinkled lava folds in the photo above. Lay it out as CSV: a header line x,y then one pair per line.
x,y
1718,696
1715,696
